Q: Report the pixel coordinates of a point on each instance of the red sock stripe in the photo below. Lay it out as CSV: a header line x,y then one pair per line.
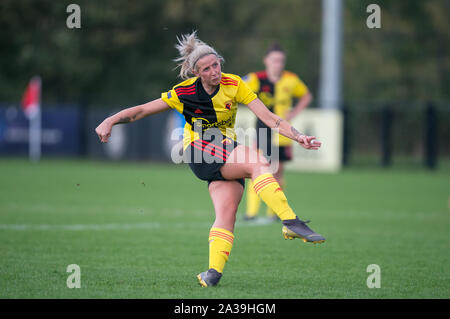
x,y
210,148
269,180
218,232
261,185
216,146
227,237
208,151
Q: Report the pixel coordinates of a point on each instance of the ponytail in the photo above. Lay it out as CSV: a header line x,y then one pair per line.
x,y
191,50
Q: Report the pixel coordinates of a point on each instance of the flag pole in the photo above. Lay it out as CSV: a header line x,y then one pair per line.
x,y
330,73
31,103
35,133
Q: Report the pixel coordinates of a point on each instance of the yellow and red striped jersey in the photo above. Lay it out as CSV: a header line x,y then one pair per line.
x,y
203,111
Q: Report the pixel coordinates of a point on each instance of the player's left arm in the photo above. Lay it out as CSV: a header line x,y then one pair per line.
x,y
274,121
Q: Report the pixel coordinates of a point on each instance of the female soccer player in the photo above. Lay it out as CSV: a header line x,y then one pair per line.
x,y
276,88
208,100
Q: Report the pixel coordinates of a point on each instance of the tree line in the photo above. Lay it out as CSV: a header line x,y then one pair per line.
x,y
123,52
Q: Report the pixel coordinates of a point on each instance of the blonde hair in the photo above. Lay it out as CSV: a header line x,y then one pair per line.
x,y
191,50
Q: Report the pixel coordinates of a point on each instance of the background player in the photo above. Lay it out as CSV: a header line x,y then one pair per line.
x,y
276,88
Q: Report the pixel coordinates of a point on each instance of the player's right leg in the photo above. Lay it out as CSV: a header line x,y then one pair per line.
x,y
226,196
239,165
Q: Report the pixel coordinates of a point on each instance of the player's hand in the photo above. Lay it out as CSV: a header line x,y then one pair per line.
x,y
308,142
104,131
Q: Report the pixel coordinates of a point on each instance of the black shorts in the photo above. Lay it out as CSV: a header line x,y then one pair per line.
x,y
206,156
264,143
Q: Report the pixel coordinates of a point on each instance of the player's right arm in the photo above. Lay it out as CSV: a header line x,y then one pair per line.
x,y
128,115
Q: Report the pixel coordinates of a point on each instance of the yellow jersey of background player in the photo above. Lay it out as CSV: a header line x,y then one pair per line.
x,y
276,88
278,97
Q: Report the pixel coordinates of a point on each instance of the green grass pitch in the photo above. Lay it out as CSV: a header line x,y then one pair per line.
x,y
140,231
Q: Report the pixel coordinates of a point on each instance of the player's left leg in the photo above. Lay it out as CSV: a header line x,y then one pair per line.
x,y
226,196
269,190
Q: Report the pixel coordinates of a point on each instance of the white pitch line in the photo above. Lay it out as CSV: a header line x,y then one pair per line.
x,y
125,226
78,226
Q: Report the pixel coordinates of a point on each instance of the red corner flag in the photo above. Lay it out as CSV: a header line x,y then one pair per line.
x,y
31,98
31,101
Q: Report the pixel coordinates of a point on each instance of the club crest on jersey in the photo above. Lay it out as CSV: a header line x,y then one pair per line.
x,y
228,104
266,88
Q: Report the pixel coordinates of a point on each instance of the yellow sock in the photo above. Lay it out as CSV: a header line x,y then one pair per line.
x,y
220,243
269,211
267,187
253,201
